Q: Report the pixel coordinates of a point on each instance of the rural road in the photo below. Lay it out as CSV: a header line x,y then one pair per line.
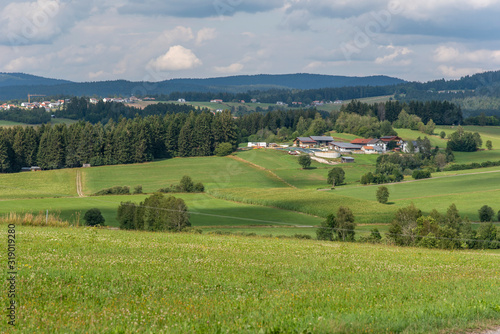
x,y
79,184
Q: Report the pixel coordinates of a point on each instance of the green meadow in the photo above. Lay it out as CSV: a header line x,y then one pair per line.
x,y
90,280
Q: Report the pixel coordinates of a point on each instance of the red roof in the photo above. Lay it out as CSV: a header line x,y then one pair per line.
x,y
361,141
368,147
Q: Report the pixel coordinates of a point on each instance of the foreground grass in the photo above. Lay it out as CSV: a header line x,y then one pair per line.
x,y
88,280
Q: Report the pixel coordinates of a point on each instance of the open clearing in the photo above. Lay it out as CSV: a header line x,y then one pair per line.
x,y
97,280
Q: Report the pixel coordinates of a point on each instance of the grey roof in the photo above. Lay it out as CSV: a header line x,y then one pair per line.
x,y
348,158
374,141
322,138
348,146
306,140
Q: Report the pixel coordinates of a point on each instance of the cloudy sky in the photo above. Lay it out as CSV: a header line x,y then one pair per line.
x,y
93,40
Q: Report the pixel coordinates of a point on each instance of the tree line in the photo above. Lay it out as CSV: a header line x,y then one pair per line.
x,y
126,141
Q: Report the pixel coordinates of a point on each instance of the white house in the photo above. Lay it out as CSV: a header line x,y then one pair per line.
x,y
406,147
257,144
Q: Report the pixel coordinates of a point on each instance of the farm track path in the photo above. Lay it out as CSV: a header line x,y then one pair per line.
x,y
262,168
79,186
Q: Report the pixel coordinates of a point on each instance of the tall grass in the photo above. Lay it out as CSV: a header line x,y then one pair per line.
x,y
30,219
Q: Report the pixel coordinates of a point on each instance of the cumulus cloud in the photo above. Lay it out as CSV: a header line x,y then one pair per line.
x,y
176,58
205,34
453,72
396,57
447,54
39,22
233,68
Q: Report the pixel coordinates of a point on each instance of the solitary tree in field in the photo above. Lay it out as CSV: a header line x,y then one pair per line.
x,y
305,161
489,145
442,134
336,176
93,217
486,213
382,194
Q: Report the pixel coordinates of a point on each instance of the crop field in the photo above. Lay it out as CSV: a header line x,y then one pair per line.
x,y
98,280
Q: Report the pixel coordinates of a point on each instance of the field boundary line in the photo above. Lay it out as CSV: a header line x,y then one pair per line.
x,y
234,157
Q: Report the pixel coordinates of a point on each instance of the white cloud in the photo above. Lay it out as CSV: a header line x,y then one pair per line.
x,y
448,54
395,56
205,34
233,68
176,58
453,72
176,35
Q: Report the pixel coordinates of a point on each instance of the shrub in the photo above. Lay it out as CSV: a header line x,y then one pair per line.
x,y
117,190
489,145
223,149
442,134
138,189
421,174
486,213
199,187
93,217
301,236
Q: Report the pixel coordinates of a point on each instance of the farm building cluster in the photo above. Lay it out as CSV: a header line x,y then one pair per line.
x,y
356,146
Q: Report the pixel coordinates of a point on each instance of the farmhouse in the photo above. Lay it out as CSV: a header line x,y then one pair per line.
x,y
399,141
406,147
304,142
344,147
322,141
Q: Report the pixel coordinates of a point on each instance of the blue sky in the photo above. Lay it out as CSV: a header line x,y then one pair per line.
x,y
155,40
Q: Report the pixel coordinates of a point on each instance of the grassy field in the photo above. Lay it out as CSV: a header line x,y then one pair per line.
x,y
369,100
56,183
109,281
10,124
205,210
213,172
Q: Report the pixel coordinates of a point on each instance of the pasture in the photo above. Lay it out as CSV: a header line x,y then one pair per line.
x,y
98,280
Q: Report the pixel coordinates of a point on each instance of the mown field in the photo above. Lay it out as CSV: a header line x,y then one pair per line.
x,y
110,281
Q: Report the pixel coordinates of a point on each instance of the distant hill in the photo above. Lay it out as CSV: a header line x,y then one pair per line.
x,y
22,79
18,85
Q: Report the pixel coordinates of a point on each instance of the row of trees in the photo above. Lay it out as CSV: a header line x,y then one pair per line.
x,y
128,141
155,213
411,228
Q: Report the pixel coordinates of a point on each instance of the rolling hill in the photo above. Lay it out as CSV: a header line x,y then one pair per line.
x,y
18,85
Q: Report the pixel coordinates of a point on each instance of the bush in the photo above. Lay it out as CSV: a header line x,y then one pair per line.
x,y
199,187
486,214
93,217
421,174
138,189
442,134
301,236
223,149
117,190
